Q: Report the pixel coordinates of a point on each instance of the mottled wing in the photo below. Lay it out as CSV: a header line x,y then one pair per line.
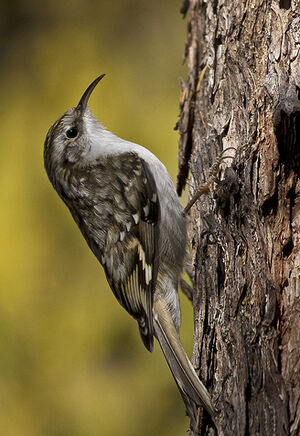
x,y
130,258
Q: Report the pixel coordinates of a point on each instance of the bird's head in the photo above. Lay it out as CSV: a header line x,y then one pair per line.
x,y
72,135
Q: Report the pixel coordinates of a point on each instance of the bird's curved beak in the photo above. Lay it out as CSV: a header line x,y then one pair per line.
x,y
85,98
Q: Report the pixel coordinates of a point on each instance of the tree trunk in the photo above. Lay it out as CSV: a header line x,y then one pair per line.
x,y
243,91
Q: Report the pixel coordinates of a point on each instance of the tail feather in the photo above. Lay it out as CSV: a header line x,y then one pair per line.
x,y
191,388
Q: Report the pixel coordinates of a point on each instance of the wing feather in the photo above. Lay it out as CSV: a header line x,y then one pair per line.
x,y
131,262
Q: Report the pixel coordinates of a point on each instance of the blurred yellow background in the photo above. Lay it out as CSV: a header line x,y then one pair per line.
x,y
71,359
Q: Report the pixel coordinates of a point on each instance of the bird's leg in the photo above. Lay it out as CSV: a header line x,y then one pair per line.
x,y
212,178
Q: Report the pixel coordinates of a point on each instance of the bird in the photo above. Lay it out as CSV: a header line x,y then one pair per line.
x,y
125,204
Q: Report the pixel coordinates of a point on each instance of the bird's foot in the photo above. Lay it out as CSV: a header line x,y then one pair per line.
x,y
212,178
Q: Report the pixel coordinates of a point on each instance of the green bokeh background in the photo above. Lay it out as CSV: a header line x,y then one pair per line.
x,y
71,360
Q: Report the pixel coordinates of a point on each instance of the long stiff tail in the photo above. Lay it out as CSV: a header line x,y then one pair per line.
x,y
191,389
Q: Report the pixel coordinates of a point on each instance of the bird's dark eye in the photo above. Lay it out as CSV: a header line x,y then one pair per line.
x,y
72,133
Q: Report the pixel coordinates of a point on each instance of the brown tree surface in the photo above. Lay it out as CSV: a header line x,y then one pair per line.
x,y
243,91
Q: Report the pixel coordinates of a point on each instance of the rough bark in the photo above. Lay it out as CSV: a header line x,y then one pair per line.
x,y
243,91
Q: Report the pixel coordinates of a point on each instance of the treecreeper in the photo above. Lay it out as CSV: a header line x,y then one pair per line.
x,y
126,207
